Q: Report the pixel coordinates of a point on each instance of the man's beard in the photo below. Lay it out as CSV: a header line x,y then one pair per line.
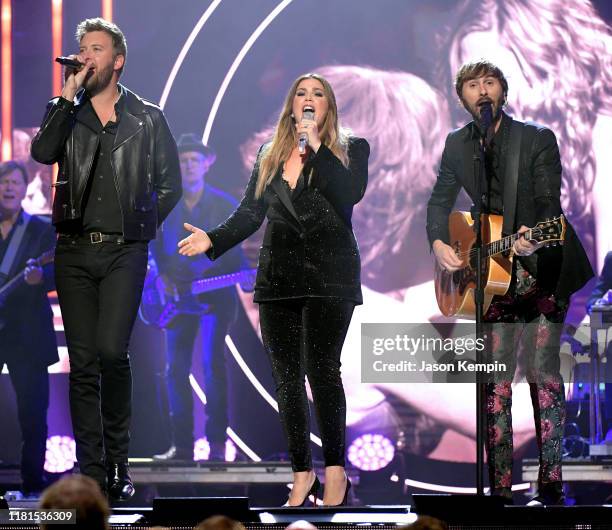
x,y
495,109
99,81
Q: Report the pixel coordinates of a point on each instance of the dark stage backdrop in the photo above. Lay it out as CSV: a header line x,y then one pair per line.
x,y
222,70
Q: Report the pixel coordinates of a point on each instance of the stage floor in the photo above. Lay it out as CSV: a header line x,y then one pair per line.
x,y
474,515
251,492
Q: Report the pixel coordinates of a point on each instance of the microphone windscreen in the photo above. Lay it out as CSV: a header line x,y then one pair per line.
x,y
486,115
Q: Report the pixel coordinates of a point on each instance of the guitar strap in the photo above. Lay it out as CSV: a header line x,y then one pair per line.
x,y
511,176
11,251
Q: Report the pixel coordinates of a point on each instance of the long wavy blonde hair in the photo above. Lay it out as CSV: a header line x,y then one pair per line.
x,y
285,136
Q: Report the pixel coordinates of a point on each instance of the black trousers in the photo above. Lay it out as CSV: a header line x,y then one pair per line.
x,y
99,288
31,383
180,339
305,337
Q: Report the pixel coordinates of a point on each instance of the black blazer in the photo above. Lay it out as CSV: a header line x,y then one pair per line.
x,y
604,283
309,248
28,335
562,270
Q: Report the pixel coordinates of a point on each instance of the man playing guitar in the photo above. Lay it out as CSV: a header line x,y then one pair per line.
x,y
523,184
27,337
212,312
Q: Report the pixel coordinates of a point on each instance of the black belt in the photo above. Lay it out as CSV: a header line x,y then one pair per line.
x,y
94,238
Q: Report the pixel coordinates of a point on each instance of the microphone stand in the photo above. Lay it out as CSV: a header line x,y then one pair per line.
x,y
479,300
471,509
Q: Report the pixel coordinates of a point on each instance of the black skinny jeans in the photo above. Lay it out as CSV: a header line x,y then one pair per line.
x,y
99,289
305,337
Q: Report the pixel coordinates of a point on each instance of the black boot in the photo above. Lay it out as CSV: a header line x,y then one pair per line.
x,y
120,486
549,494
505,494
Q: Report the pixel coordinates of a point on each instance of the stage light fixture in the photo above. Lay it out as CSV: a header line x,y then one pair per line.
x,y
371,452
60,455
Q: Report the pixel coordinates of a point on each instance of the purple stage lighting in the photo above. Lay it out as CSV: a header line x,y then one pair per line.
x,y
60,455
371,452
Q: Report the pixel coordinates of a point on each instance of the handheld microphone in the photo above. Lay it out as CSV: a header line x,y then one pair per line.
x,y
303,139
68,62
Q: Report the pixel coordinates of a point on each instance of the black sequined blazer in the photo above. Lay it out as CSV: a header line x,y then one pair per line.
x,y
309,249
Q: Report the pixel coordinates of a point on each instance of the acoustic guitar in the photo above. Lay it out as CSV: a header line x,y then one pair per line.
x,y
455,290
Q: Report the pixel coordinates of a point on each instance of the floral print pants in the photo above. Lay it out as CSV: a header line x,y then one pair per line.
x,y
524,327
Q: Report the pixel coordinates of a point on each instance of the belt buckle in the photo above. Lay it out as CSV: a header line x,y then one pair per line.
x,y
95,237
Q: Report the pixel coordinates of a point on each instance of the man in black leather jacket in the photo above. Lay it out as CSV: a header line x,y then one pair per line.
x,y
119,177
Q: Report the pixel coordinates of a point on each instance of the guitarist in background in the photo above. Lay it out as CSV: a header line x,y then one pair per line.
x,y
202,205
543,278
27,337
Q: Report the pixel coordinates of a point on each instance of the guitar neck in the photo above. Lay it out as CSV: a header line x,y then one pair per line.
x,y
11,285
502,245
218,282
19,279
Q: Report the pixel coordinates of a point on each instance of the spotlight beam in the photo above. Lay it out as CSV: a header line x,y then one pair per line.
x,y
185,50
239,58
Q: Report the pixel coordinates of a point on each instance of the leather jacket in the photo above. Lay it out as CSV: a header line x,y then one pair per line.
x,y
144,159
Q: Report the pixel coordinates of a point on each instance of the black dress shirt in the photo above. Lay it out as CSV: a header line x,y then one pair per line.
x,y
495,165
495,162
101,208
